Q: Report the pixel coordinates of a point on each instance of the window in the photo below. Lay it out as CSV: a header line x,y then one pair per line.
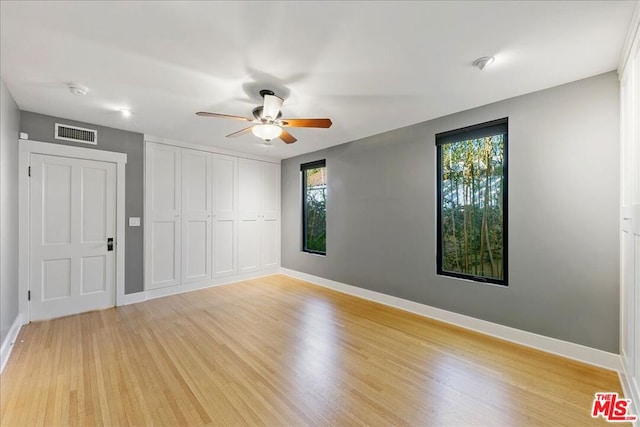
x,y
314,207
472,202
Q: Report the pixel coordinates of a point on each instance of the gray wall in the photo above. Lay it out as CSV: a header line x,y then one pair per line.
x,y
41,128
9,125
563,215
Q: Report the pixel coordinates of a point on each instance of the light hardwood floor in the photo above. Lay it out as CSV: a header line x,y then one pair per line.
x,y
279,352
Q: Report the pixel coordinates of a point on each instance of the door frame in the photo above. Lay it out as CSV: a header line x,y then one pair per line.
x,y
26,149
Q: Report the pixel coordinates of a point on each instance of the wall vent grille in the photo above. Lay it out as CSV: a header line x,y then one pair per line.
x,y
76,134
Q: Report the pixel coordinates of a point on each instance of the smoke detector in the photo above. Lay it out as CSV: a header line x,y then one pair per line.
x,y
480,63
78,89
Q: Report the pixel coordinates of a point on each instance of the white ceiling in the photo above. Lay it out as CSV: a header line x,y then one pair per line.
x,y
369,66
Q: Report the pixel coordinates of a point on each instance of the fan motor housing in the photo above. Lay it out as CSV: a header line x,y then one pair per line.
x,y
257,113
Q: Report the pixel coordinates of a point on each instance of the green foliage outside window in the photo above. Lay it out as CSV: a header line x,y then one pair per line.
x,y
472,213
315,210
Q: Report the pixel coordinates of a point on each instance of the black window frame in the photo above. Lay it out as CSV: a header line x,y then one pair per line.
x,y
303,168
479,130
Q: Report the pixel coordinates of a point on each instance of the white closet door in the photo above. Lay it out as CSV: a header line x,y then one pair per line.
x,y
225,205
249,199
163,208
270,224
196,215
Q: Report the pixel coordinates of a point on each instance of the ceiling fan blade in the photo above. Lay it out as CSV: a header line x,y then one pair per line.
x,y
307,123
223,116
272,106
240,132
287,137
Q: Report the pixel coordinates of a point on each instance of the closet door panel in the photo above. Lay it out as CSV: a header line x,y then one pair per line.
x,y
196,215
270,190
269,251
196,171
163,173
270,216
249,246
250,187
225,254
225,222
196,238
249,198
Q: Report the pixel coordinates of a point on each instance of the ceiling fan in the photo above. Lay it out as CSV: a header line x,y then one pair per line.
x,y
268,122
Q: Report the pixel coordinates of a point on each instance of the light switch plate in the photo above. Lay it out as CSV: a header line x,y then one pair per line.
x,y
134,221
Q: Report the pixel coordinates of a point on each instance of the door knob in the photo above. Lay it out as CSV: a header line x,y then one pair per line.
x,y
110,244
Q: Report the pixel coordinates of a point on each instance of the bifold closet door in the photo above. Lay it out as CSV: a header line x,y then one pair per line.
x,y
225,207
259,208
163,215
249,200
269,216
196,215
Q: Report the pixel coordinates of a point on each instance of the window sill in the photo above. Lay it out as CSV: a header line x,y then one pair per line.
x,y
314,253
446,276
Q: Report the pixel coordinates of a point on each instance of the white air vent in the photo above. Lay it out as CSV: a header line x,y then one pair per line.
x,y
76,134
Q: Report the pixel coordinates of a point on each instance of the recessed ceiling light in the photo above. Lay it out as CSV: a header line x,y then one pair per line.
x,y
480,63
78,89
125,112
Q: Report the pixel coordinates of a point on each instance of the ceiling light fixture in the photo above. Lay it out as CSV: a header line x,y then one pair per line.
x,y
77,89
480,63
125,112
267,132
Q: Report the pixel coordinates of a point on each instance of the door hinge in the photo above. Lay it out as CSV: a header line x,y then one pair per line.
x,y
28,295
29,170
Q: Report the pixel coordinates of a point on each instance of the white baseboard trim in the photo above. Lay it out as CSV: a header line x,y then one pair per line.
x,y
7,344
566,349
194,286
631,390
132,298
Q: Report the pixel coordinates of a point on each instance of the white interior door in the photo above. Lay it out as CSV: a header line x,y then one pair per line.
x,y
163,211
270,224
72,216
224,216
196,215
249,199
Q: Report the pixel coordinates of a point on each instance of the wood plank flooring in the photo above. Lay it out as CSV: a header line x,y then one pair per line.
x,y
276,351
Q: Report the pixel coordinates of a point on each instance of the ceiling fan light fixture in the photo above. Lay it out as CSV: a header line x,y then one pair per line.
x,y
266,131
266,123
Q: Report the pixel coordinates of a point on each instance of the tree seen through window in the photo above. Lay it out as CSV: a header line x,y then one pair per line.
x,y
472,211
315,207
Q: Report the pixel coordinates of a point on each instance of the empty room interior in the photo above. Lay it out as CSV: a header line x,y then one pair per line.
x,y
314,213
